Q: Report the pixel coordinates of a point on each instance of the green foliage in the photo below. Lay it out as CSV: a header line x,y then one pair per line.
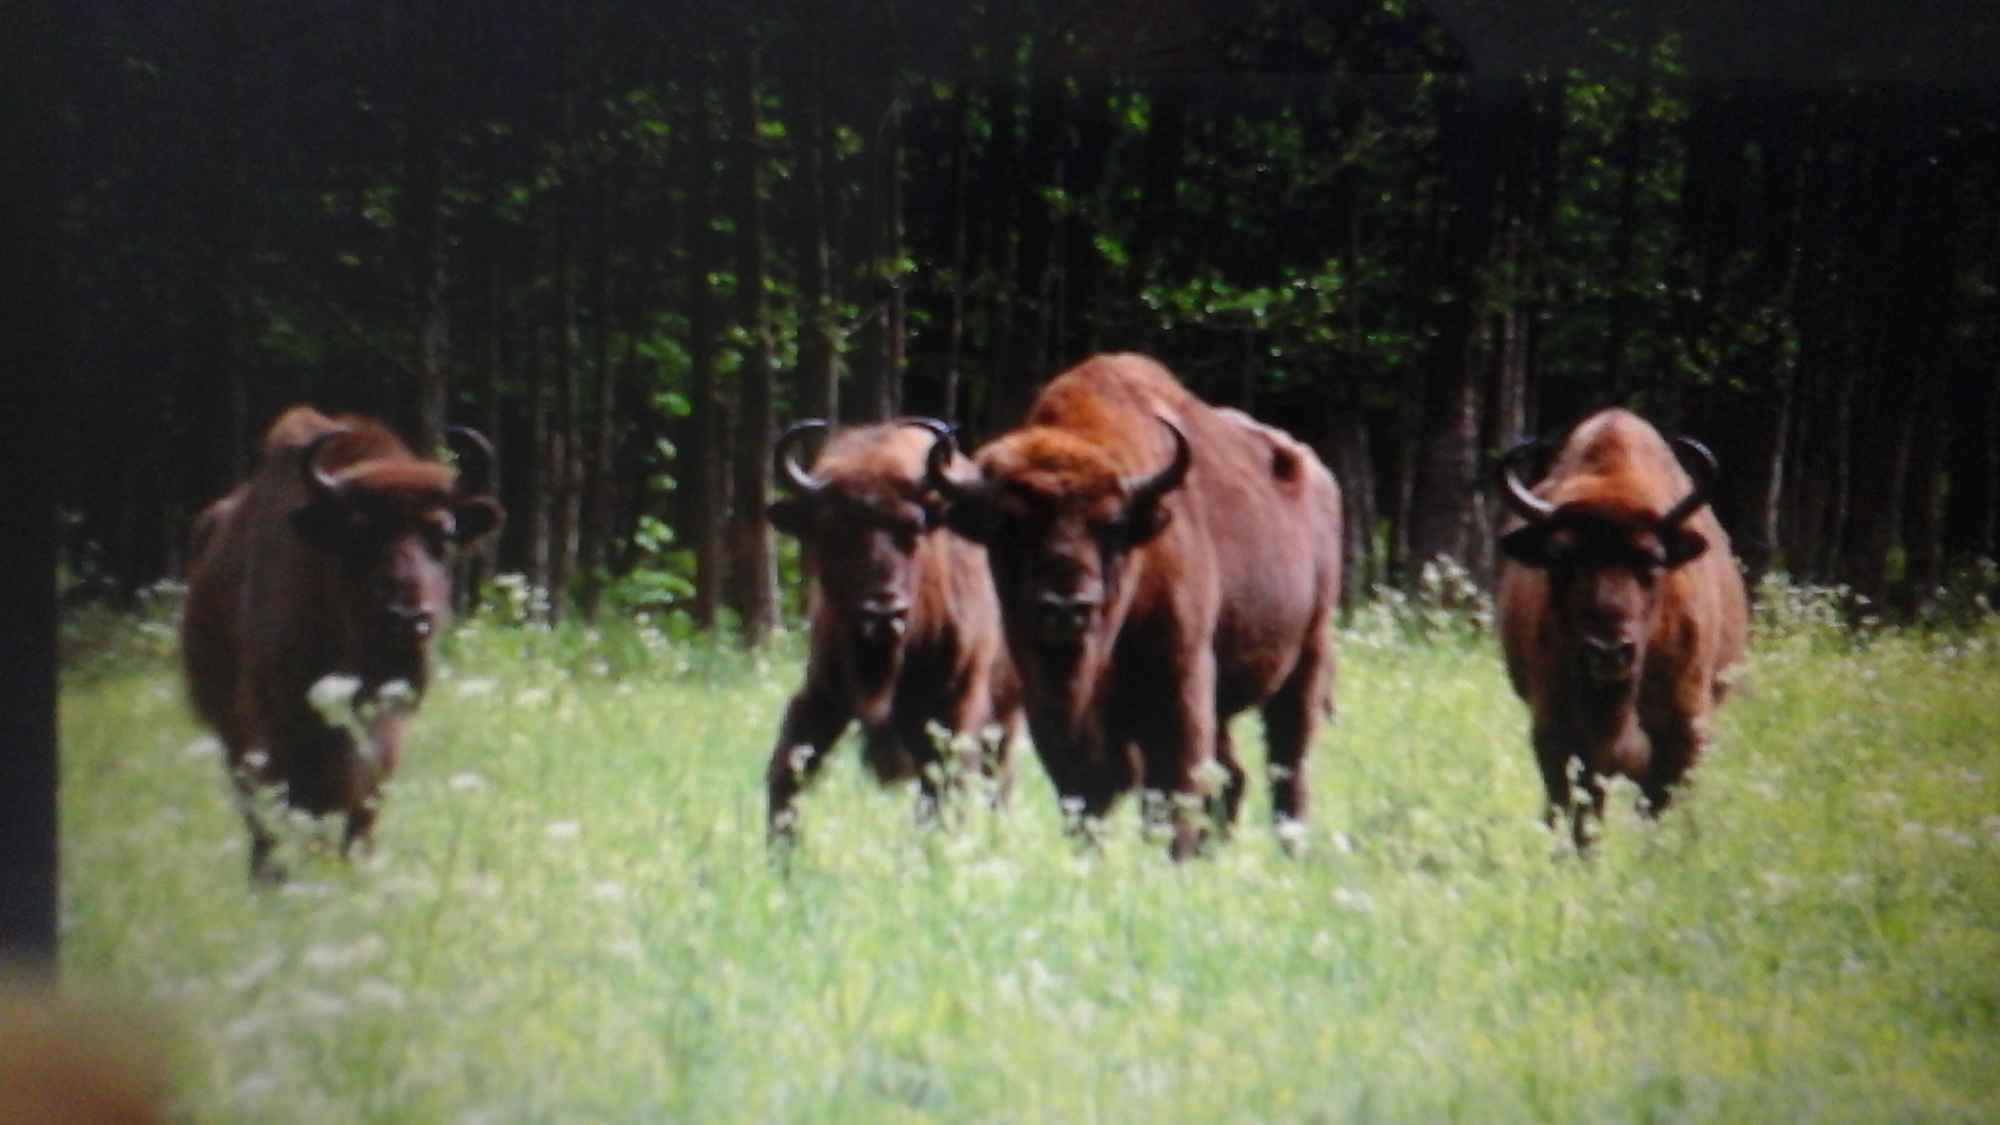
x,y
571,914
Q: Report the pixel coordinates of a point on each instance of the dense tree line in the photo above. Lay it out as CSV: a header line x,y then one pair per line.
x,y
629,240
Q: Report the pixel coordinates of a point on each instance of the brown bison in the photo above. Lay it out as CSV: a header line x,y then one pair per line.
x,y
1161,565
1620,606
905,630
331,560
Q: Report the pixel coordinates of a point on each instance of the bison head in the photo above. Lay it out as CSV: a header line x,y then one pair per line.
x,y
390,521
1606,557
1058,519
864,516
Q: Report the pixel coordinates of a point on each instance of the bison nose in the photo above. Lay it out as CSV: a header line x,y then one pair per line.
x,y
1609,661
412,620
884,619
1062,618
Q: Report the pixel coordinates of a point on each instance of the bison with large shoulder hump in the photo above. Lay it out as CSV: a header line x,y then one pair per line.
x,y
1161,566
1620,608
330,560
905,631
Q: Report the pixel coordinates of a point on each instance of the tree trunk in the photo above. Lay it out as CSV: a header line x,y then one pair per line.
x,y
706,454
819,330
421,225
1472,122
961,175
753,561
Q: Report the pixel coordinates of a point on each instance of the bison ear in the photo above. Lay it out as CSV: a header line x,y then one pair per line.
x,y
327,525
1527,544
791,515
974,517
473,517
1684,545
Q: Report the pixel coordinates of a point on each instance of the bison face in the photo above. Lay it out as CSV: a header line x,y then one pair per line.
x,y
1058,522
864,553
391,525
1606,560
1604,584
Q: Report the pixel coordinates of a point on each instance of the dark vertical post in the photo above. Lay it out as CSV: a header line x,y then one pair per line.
x,y
27,522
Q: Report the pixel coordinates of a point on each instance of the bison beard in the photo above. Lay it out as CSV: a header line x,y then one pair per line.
x,y
1620,609
905,633
1161,565
331,560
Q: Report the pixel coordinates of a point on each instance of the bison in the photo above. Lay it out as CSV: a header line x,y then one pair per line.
x,y
905,629
1161,566
332,559
1620,608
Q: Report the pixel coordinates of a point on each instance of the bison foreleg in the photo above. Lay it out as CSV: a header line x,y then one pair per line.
x,y
1677,746
1554,756
811,725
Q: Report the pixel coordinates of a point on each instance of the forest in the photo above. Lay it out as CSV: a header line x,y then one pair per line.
x,y
632,241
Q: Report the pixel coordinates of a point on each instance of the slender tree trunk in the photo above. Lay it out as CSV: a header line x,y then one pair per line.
x,y
1632,161
819,331
753,560
427,55
702,466
961,177
565,450
1472,121
600,486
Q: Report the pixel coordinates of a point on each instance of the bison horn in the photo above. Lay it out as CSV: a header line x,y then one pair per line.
x,y
319,483
787,465
474,455
1149,489
1702,466
944,431
1525,503
938,460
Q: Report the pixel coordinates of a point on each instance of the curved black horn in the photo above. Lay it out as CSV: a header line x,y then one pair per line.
x,y
1702,466
1519,497
787,465
319,482
474,455
943,430
1149,489
939,459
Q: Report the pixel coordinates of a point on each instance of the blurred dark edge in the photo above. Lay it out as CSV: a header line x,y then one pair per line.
x,y
34,375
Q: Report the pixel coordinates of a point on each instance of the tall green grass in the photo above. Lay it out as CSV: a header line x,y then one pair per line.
x,y
571,915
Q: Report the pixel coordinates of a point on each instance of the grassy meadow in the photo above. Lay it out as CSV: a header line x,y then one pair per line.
x,y
571,916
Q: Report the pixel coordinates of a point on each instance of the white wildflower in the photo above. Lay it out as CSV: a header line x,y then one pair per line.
x,y
466,781
332,696
256,1086
379,993
204,747
249,976
609,891
1358,901
476,689
396,695
319,1005
245,1027
564,829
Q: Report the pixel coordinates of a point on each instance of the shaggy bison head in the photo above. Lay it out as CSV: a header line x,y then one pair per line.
x,y
1606,557
1058,520
390,522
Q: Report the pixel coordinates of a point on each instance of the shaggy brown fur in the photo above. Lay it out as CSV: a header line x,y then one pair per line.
x,y
292,582
905,630
1144,608
1617,626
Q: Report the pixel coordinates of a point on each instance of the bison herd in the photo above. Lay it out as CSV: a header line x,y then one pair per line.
x,y
1123,572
